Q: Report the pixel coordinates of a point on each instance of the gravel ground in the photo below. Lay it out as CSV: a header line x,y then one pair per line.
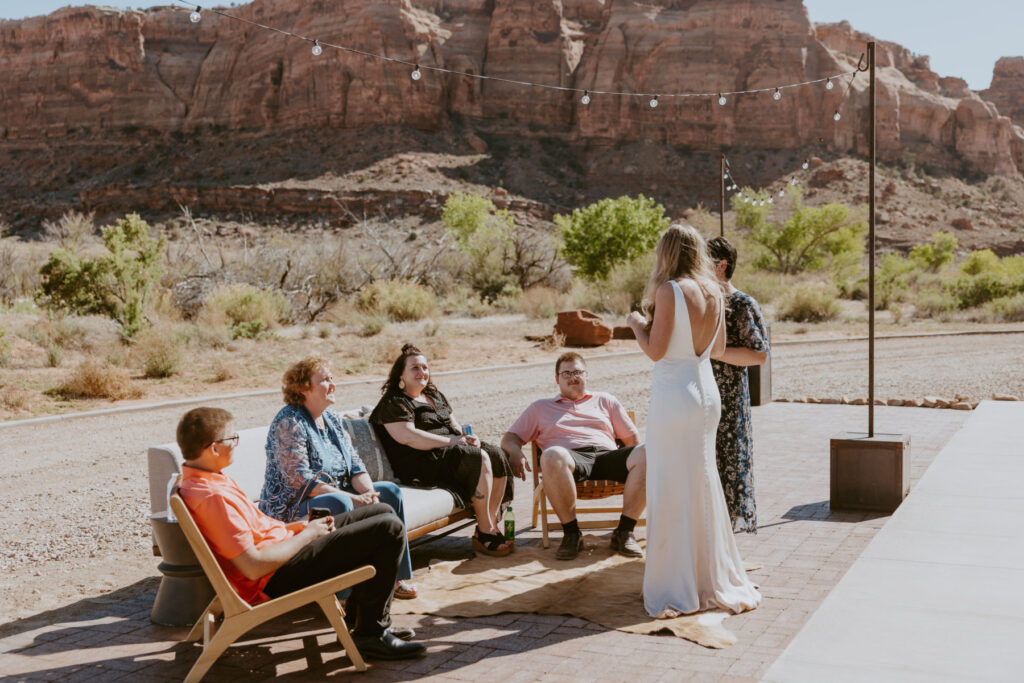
x,y
75,495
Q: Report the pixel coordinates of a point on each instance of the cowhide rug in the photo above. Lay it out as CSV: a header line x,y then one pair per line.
x,y
598,585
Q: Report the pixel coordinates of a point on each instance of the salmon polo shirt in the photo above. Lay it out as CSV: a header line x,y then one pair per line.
x,y
231,525
596,419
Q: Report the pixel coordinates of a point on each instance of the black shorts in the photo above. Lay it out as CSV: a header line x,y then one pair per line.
x,y
594,462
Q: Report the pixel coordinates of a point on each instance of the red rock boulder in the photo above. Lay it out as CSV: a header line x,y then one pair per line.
x,y
582,328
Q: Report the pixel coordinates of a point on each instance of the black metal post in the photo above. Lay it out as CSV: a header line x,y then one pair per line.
x,y
721,198
871,244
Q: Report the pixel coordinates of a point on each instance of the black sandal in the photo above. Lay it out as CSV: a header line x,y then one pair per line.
x,y
491,544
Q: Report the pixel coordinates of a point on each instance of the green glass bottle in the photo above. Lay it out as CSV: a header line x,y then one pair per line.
x,y
510,524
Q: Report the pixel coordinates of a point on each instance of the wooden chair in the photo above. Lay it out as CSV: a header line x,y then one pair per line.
x,y
590,489
240,616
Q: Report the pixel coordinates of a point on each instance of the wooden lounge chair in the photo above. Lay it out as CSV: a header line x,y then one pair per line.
x,y
240,616
590,489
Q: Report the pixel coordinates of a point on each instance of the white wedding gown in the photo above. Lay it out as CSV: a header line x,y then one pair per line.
x,y
692,560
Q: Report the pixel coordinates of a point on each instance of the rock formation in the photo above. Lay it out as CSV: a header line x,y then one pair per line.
x,y
80,76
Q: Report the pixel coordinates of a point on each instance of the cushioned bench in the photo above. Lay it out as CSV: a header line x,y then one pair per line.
x,y
426,510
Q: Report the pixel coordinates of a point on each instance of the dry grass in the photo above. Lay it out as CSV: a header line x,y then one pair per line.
x,y
15,399
541,302
160,351
225,369
93,378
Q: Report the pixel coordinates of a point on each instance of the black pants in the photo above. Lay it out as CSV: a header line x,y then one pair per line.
x,y
368,535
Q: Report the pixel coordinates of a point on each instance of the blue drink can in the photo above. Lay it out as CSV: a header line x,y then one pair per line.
x,y
467,430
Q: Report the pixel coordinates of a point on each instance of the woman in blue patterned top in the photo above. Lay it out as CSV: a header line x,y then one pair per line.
x,y
746,344
311,461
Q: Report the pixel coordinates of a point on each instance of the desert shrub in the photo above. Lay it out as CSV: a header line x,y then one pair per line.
x,y
19,272
934,303
118,284
893,279
811,238
94,378
809,302
540,302
610,232
974,290
978,262
1006,309
5,348
398,300
933,257
224,369
160,351
247,311
15,398
71,230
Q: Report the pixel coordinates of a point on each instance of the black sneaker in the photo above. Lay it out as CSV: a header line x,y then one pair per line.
x,y
387,646
571,546
625,543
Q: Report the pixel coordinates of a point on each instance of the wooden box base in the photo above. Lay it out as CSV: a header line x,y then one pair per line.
x,y
869,473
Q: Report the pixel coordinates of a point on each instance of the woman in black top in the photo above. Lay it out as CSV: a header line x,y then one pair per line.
x,y
427,447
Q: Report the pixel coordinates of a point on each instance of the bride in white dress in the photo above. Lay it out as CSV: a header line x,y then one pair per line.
x,y
692,560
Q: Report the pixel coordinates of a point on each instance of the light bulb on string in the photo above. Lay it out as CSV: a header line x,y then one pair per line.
x,y
777,95
805,165
836,116
792,181
829,84
721,99
586,97
782,193
771,200
317,50
416,73
653,102
195,16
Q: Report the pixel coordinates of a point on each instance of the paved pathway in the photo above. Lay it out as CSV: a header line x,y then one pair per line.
x,y
805,550
936,596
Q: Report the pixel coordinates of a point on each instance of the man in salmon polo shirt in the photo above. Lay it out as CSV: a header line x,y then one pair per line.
x,y
264,558
576,431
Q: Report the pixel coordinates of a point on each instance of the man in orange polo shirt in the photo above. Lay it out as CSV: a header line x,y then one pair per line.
x,y
576,431
265,558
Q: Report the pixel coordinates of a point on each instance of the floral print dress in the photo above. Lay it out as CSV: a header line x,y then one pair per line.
x,y
744,327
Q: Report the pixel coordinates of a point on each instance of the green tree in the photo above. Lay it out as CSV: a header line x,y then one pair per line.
x,y
932,257
612,231
812,237
482,233
118,284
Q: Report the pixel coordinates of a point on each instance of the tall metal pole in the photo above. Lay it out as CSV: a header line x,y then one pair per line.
x,y
721,197
871,244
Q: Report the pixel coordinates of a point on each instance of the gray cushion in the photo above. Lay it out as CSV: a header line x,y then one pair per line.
x,y
366,443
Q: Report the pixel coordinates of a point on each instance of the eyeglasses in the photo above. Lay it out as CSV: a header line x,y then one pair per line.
x,y
233,440
572,374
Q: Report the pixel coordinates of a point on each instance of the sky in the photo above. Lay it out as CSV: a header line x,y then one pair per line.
x,y
963,39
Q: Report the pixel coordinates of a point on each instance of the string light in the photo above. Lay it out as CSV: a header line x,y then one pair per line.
x,y
416,74
771,200
792,181
805,165
317,50
836,116
782,193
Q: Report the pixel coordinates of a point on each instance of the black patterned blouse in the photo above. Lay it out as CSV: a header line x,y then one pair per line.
x,y
744,327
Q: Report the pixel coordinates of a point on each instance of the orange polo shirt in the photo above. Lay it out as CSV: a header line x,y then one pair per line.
x,y
231,525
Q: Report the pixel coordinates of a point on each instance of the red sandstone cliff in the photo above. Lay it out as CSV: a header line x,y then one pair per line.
x,y
82,75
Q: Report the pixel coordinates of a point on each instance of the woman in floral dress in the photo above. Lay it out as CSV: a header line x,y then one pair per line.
x,y
746,345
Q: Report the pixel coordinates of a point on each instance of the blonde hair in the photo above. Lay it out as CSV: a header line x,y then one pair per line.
x,y
681,252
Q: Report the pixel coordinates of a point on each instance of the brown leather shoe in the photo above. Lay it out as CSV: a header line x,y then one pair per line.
x,y
624,543
570,547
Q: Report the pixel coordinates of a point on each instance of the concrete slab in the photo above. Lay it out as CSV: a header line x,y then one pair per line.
x,y
936,594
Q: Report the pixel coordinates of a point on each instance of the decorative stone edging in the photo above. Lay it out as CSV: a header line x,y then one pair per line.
x,y
957,403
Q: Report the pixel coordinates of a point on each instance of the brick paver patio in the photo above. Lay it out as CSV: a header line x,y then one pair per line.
x,y
803,547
